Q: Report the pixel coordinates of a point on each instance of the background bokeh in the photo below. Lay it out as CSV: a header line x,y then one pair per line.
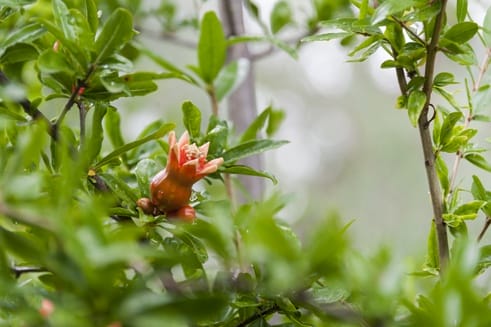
x,y
351,151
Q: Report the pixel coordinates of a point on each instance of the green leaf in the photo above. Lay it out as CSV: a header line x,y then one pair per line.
x,y
415,105
16,3
51,62
25,34
246,170
94,143
19,52
482,99
480,193
250,148
62,19
230,77
212,47
326,36
255,127
281,15
442,172
75,49
461,32
115,33
164,129
432,259
448,126
461,10
191,118
469,210
478,160
144,171
478,190
391,7
487,28
113,127
165,64
90,9
444,79
216,134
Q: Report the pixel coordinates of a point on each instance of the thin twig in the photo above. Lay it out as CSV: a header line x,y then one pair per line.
x,y
81,84
477,84
427,144
410,31
82,113
484,228
259,315
20,270
271,49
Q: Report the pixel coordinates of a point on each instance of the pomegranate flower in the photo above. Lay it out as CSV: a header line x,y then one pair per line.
x,y
170,189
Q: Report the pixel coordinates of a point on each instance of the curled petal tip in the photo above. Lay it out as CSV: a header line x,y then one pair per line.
x,y
204,149
184,139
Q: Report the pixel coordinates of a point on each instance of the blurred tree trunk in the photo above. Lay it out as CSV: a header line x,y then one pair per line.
x,y
242,103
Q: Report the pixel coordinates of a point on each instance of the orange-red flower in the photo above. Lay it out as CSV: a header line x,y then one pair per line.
x,y
170,189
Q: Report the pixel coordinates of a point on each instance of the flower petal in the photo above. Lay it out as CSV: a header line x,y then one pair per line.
x,y
183,140
204,149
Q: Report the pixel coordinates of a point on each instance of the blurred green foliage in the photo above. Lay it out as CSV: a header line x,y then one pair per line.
x,y
75,250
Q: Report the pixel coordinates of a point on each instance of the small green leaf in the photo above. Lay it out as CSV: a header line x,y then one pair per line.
x,y
120,188
469,208
444,79
461,32
281,15
19,52
94,143
212,47
90,9
246,170
62,19
164,129
250,148
442,172
51,62
478,160
447,127
390,7
191,118
326,36
461,10
216,134
415,105
165,64
113,127
144,171
115,33
26,34
257,124
230,77
480,193
432,259
487,28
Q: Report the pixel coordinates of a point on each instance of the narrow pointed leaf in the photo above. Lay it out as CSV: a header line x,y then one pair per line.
x,y
116,32
212,47
250,148
166,128
415,105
